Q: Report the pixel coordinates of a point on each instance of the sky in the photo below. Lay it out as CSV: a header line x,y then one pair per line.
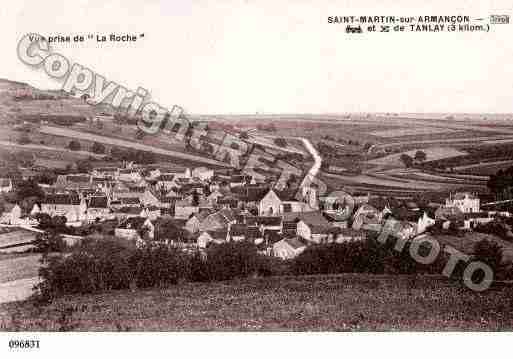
x,y
244,57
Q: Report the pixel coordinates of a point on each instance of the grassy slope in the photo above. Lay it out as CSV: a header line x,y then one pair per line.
x,y
344,302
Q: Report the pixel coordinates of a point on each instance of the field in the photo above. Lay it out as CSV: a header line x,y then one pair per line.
x,y
411,131
349,302
432,154
18,274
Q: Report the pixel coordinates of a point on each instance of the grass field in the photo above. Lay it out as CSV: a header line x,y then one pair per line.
x,y
349,302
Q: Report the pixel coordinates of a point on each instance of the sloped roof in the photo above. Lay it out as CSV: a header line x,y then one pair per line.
x,y
313,218
219,235
62,199
130,200
79,178
166,177
294,242
98,202
263,220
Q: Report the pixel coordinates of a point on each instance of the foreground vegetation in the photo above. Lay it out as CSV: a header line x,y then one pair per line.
x,y
336,302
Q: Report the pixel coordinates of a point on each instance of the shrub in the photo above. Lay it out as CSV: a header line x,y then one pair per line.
x,y
50,242
74,145
231,260
24,139
280,142
157,266
491,253
93,265
98,148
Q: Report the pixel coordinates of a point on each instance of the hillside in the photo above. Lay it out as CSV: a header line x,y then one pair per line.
x,y
337,303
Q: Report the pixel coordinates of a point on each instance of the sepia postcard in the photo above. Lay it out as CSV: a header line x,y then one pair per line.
x,y
315,167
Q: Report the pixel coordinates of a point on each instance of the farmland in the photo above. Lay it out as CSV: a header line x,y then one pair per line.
x,y
348,302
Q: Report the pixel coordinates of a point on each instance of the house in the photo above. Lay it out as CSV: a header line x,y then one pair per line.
x,y
11,214
184,209
294,206
194,222
242,232
208,237
270,204
337,219
5,185
464,201
265,223
130,202
62,204
129,175
367,217
219,220
203,173
288,248
424,222
166,181
132,227
451,213
77,181
151,212
312,226
214,196
239,180
35,210
350,235
97,208
106,172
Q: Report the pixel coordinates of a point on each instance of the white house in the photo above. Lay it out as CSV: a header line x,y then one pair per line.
x,y
288,248
132,226
270,204
465,201
5,185
207,237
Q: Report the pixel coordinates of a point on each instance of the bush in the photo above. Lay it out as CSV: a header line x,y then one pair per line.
x,y
491,253
50,242
74,145
280,142
231,260
24,139
94,265
157,266
98,148
363,257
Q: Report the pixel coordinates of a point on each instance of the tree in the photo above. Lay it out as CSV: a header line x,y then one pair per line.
x,y
74,145
84,166
98,148
28,188
166,229
490,253
24,139
407,160
420,156
139,135
280,142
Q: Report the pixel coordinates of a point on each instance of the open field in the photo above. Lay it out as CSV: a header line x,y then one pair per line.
x,y
432,154
399,132
15,267
65,132
348,302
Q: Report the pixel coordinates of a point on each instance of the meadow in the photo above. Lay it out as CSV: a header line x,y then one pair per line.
x,y
348,302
